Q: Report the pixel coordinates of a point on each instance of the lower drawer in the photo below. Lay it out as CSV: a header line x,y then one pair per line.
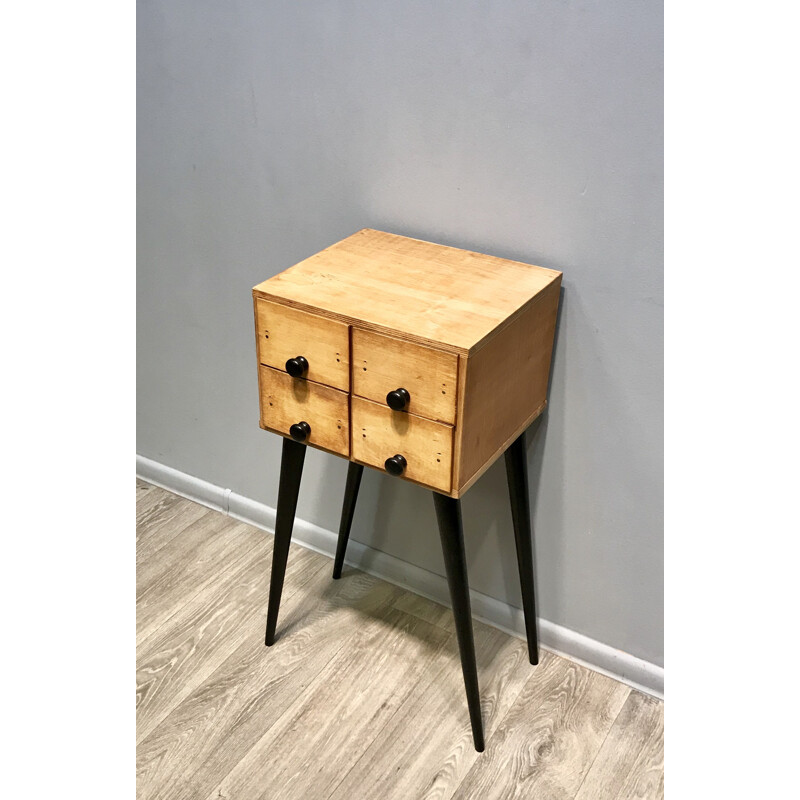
x,y
380,433
286,401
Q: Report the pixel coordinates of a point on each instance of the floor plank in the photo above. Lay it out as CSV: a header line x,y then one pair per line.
x,y
426,609
150,504
207,629
212,626
178,549
164,517
208,734
426,749
630,763
548,740
164,597
323,734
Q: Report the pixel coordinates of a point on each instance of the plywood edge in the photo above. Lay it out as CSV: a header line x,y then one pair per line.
x,y
460,490
540,296
314,311
355,322
258,354
458,433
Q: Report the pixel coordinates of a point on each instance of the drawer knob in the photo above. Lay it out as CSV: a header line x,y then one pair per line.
x,y
398,400
297,367
395,465
300,431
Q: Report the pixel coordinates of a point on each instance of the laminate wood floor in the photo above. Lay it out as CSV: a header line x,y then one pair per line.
x,y
361,696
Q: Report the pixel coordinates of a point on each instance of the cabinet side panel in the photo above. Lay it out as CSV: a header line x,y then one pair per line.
x,y
505,387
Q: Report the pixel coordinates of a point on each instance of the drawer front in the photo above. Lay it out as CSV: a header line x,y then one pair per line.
x,y
286,401
380,433
382,364
285,333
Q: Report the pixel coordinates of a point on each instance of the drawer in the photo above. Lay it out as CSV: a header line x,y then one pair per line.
x,y
285,333
380,433
382,364
286,401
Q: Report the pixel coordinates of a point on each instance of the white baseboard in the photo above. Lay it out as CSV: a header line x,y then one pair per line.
x,y
635,672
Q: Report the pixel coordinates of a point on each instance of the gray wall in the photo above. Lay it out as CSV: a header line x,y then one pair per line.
x,y
528,130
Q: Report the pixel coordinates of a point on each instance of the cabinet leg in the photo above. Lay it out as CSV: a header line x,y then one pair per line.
x,y
294,454
354,472
448,513
517,473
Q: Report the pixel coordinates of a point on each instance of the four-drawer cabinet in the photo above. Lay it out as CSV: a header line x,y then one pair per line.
x,y
420,360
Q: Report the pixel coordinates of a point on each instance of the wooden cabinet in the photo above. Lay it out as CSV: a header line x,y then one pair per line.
x,y
467,337
420,360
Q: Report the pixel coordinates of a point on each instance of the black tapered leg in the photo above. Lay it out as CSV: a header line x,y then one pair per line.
x,y
294,454
448,512
517,473
354,472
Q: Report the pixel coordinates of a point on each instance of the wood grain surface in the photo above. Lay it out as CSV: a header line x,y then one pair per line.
x,y
382,364
547,742
504,388
380,433
430,739
164,597
361,696
398,648
179,548
469,336
284,333
286,400
631,761
159,517
414,290
425,609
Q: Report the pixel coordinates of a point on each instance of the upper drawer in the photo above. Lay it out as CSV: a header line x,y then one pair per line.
x,y
286,401
285,333
382,364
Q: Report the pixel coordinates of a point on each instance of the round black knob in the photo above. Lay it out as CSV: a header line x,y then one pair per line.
x,y
398,399
297,367
300,431
395,465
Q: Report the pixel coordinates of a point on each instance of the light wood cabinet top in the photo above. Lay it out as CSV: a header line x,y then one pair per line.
x,y
415,290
